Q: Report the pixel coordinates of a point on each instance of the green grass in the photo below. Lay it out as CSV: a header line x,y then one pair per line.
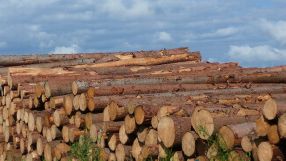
x,y
216,140
169,154
85,150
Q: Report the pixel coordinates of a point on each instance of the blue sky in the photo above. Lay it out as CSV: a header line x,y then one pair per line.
x,y
252,32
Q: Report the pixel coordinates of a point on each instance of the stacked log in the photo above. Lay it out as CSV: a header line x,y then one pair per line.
x,y
165,104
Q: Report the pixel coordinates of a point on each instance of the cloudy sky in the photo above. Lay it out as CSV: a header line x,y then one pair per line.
x,y
252,32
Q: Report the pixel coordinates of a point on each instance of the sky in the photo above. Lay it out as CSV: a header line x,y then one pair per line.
x,y
251,32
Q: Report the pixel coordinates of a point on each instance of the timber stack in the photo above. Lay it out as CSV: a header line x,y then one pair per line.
x,y
144,105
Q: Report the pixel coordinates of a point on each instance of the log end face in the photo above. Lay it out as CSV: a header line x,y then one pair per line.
x,y
246,144
48,152
91,104
47,90
264,151
82,102
39,146
188,144
93,132
282,125
261,127
68,104
129,124
112,142
226,137
270,109
65,134
166,131
139,115
57,118
120,152
123,137
74,88
112,110
203,123
136,149
77,119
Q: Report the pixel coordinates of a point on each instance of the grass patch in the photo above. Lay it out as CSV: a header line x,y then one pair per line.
x,y
86,150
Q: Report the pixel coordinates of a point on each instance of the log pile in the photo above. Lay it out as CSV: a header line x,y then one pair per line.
x,y
139,106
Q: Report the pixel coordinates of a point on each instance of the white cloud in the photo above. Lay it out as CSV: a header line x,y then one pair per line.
x,y
2,44
276,29
164,36
256,54
66,49
222,32
136,8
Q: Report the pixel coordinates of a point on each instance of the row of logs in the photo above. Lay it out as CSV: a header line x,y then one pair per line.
x,y
141,106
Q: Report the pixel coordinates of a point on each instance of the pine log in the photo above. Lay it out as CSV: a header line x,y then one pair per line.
x,y
41,145
272,77
233,134
122,152
91,118
129,124
187,66
141,133
64,86
246,144
273,135
60,117
49,150
113,140
61,150
123,137
145,89
102,101
37,59
268,152
74,133
282,125
150,151
189,143
262,126
151,137
109,126
56,102
136,149
272,108
115,112
172,129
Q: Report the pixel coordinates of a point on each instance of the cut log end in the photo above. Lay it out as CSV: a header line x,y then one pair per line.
x,y
123,137
166,131
188,144
47,90
129,124
74,88
226,137
282,125
154,122
82,102
273,135
120,152
202,123
68,104
139,115
136,149
246,144
270,109
112,142
93,132
265,151
112,110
